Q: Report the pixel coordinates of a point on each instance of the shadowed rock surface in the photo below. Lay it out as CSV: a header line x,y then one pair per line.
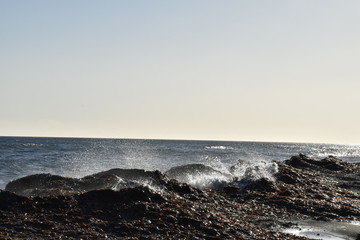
x,y
50,185
303,189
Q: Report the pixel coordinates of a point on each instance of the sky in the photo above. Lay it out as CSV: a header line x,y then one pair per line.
x,y
283,71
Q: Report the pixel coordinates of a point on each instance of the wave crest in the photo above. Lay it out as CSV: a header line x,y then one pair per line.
x,y
199,175
216,147
253,171
196,175
244,172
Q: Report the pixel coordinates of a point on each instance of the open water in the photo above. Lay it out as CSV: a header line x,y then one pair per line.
x,y
78,157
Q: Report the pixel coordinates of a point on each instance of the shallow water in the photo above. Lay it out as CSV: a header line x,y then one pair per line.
x,y
326,230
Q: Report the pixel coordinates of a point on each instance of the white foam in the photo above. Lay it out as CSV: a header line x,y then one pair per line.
x,y
254,170
356,223
121,184
32,145
314,233
216,175
213,180
216,147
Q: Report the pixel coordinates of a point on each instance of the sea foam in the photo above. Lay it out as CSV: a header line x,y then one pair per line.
x,y
242,173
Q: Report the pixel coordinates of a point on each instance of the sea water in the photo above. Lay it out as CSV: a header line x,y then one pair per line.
x,y
328,230
78,157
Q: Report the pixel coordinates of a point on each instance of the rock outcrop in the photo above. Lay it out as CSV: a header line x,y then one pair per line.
x,y
54,207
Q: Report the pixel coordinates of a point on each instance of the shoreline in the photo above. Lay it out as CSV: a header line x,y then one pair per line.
x,y
305,190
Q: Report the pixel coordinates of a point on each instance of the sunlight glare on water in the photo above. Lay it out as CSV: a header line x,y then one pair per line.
x,y
77,157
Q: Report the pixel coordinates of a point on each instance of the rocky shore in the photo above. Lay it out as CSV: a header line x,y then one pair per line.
x,y
54,207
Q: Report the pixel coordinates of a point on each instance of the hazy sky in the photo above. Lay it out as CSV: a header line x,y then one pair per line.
x,y
200,69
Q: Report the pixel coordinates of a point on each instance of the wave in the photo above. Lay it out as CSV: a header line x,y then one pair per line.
x,y
199,175
32,145
253,171
114,179
216,147
241,174
196,175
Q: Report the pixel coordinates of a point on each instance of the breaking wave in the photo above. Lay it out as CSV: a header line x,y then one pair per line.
x,y
196,175
199,175
202,176
253,171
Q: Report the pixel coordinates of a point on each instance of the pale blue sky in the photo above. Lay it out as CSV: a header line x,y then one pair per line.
x,y
221,70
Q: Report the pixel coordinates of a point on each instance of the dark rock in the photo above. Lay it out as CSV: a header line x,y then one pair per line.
x,y
304,188
350,185
187,221
152,177
302,161
10,200
332,163
286,193
108,197
181,188
262,185
231,190
50,185
28,185
289,178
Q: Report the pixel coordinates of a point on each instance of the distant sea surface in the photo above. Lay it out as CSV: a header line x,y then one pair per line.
x,y
78,157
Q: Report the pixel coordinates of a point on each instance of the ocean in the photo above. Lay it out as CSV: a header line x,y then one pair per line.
x,y
78,157
233,190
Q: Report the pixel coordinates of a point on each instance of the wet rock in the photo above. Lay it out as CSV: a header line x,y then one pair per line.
x,y
351,185
139,175
107,197
299,161
121,208
189,222
231,190
262,185
52,185
330,163
33,184
9,200
286,193
289,176
181,188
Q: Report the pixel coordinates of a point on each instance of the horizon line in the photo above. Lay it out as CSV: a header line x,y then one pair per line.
x,y
177,139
